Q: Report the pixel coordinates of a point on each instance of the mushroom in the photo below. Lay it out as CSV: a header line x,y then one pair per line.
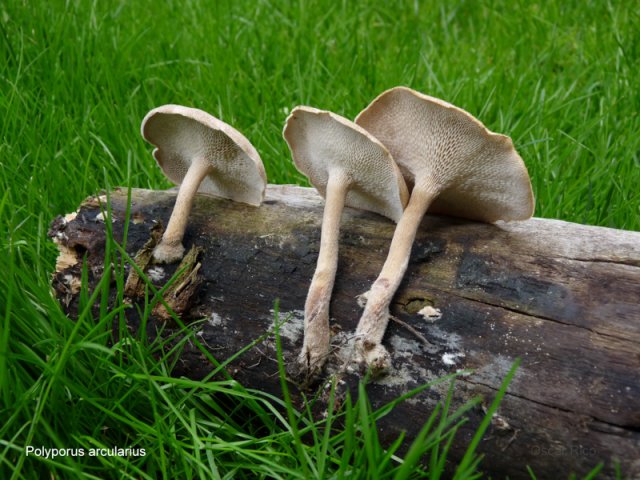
x,y
456,167
201,154
348,166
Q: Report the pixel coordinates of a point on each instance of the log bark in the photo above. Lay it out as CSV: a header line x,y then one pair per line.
x,y
565,298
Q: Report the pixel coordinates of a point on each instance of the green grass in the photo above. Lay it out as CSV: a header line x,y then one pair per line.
x,y
71,387
76,78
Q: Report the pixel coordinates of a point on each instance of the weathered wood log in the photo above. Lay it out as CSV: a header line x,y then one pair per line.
x,y
565,298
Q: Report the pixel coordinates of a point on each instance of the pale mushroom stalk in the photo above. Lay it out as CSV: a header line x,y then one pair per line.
x,y
458,167
316,309
170,247
375,317
349,167
202,154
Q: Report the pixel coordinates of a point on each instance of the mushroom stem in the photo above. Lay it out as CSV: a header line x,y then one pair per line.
x,y
170,247
375,317
316,310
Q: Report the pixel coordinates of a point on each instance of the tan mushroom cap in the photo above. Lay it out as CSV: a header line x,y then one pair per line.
x,y
182,135
475,173
323,143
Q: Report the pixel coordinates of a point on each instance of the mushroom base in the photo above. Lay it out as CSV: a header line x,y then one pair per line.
x,y
168,253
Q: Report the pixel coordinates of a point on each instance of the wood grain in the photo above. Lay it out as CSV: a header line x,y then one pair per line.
x,y
565,298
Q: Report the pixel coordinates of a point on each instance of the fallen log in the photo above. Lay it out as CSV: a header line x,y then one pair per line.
x,y
565,298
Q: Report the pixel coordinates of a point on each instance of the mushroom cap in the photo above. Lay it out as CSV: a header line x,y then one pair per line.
x,y
324,144
183,135
475,173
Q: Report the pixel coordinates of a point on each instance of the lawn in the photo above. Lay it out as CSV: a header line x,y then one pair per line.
x,y
77,77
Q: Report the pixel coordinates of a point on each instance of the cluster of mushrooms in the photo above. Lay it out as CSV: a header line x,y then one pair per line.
x,y
406,153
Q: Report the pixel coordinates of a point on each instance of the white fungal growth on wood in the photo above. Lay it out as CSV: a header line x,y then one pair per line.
x,y
452,341
497,368
215,320
156,274
101,217
450,358
404,349
430,314
290,324
407,348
